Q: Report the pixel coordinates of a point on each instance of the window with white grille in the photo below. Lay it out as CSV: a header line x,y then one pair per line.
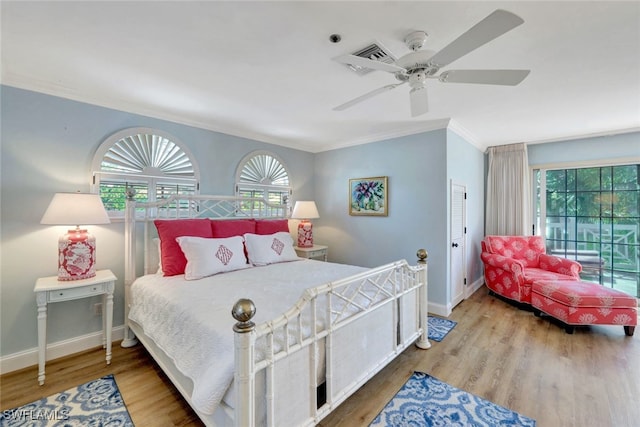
x,y
263,175
151,162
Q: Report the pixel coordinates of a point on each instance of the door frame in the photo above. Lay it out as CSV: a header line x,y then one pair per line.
x,y
456,299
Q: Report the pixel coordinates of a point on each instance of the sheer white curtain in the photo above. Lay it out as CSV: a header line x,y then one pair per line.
x,y
508,191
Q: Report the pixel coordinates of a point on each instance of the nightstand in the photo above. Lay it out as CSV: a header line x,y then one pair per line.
x,y
50,290
315,251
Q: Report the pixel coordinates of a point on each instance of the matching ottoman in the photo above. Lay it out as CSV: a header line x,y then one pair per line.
x,y
582,303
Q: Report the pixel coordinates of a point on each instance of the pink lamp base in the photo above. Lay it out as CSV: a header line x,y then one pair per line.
x,y
305,234
76,255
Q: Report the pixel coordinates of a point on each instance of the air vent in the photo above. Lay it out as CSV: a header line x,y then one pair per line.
x,y
376,52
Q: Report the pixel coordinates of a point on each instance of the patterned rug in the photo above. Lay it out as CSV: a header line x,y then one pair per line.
x,y
439,327
97,403
426,401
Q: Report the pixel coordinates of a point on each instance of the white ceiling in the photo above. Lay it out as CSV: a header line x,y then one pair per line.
x,y
263,70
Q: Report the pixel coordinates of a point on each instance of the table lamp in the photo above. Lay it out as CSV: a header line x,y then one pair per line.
x,y
305,211
76,248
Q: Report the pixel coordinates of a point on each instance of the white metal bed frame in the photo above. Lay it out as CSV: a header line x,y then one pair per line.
x,y
363,333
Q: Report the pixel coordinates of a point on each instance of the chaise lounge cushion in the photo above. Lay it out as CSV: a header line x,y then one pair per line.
x,y
581,303
582,294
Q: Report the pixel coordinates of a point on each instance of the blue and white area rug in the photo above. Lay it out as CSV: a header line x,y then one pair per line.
x,y
427,401
97,403
439,327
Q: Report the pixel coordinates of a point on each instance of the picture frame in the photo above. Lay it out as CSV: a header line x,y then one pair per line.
x,y
369,196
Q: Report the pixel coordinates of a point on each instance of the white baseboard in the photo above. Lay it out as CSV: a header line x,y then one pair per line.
x,y
26,358
474,287
439,309
445,310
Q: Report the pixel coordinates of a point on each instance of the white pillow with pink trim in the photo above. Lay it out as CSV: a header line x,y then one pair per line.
x,y
206,256
270,248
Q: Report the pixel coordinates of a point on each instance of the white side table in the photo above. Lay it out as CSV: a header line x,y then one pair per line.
x,y
50,289
315,251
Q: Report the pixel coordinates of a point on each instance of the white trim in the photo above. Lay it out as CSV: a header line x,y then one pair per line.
x,y
612,132
421,127
440,309
470,290
463,132
446,310
28,358
17,81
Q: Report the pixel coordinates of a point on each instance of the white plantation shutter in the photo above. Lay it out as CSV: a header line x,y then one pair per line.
x,y
263,175
151,162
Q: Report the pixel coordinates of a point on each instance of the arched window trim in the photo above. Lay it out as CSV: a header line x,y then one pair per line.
x,y
152,181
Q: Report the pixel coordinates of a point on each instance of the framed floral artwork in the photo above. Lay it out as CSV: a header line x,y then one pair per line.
x,y
368,196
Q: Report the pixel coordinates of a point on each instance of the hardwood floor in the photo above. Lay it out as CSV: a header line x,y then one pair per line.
x,y
497,351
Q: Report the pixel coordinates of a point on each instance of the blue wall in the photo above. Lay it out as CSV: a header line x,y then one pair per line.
x,y
420,168
415,166
465,165
48,144
595,149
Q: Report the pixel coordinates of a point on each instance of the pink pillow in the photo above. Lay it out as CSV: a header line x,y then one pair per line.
x,y
232,227
173,260
271,226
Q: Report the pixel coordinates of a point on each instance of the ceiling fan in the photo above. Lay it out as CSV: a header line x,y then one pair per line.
x,y
419,65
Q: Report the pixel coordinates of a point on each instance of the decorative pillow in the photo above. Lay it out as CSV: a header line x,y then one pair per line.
x,y
270,226
232,227
206,257
270,248
172,258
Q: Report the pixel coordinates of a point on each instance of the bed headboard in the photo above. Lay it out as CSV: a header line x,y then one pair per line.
x,y
139,227
182,207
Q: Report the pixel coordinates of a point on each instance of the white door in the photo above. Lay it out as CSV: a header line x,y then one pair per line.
x,y
458,231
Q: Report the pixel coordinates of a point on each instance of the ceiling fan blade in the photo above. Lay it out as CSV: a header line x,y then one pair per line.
x,y
366,96
487,77
368,63
419,101
491,27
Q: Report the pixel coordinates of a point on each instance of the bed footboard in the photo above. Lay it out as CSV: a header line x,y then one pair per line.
x,y
352,328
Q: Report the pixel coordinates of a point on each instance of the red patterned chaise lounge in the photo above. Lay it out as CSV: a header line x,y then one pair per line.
x,y
513,263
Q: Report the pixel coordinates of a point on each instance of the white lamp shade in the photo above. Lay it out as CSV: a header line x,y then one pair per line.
x,y
75,209
305,210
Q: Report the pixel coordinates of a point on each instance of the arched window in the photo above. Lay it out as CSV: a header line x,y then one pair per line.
x,y
262,174
154,163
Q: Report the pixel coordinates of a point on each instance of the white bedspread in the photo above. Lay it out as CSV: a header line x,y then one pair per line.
x,y
191,320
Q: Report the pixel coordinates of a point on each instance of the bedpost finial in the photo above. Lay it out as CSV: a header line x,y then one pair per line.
x,y
243,311
422,255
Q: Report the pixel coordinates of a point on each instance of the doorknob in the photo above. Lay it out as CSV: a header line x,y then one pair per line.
x,y
455,245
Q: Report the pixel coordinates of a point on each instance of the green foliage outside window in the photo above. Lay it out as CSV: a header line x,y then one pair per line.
x,y
597,210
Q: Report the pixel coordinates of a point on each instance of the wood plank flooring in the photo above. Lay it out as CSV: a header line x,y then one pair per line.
x,y
497,351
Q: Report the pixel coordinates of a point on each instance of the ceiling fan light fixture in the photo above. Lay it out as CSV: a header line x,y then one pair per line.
x,y
418,78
